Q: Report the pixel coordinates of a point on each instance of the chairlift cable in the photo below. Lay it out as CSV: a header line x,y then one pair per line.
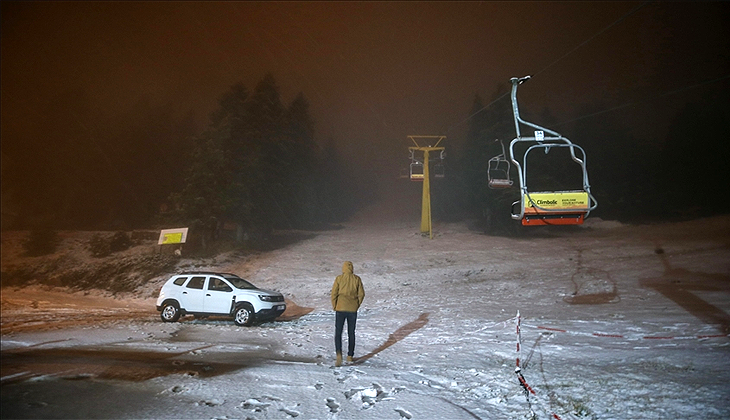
x,y
672,92
631,12
617,21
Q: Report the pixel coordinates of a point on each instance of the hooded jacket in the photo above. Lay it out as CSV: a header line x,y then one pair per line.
x,y
347,292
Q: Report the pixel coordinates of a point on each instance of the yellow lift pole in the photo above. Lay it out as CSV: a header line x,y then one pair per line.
x,y
426,199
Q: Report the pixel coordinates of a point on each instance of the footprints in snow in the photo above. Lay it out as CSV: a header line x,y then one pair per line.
x,y
372,395
366,397
292,413
403,413
258,406
254,404
333,405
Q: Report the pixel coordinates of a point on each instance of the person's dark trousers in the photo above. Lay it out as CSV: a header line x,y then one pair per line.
x,y
340,318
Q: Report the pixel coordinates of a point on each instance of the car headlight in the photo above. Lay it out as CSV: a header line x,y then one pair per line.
x,y
266,298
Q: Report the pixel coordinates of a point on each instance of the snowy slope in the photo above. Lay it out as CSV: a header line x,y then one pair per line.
x,y
617,322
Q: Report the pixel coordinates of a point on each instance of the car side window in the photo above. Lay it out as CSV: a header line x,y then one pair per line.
x,y
218,285
179,281
196,283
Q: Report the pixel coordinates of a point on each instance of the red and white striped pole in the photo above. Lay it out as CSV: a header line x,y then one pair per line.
x,y
518,370
517,323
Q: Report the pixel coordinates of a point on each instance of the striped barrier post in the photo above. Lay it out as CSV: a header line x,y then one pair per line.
x,y
518,371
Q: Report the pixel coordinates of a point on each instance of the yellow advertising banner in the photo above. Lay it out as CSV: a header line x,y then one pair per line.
x,y
557,201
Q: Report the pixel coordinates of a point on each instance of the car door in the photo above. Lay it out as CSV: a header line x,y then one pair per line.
x,y
218,296
193,295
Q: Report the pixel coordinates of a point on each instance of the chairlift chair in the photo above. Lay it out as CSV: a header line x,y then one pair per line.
x,y
416,171
434,163
539,208
438,170
415,168
498,169
404,173
438,167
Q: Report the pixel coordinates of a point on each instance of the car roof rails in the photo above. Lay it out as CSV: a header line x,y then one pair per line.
x,y
217,273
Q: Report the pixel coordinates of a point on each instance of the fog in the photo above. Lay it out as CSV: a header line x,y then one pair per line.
x,y
101,101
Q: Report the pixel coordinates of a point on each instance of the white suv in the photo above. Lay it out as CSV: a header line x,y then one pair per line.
x,y
203,293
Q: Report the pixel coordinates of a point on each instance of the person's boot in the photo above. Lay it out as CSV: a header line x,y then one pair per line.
x,y
349,359
338,361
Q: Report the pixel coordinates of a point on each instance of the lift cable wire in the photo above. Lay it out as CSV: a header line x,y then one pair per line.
x,y
672,92
631,12
617,21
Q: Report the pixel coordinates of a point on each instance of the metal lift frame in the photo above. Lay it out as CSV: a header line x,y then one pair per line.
x,y
542,215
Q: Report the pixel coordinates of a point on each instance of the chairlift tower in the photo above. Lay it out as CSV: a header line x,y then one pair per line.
x,y
425,145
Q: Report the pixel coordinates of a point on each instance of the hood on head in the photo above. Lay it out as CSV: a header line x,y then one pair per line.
x,y
347,267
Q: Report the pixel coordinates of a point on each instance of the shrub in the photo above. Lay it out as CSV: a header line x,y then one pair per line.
x,y
42,241
99,246
102,246
119,242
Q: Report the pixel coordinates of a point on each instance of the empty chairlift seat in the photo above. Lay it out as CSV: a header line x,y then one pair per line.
x,y
438,170
416,171
498,169
497,183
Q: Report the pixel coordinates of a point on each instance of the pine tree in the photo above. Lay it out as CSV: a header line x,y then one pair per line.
x,y
301,150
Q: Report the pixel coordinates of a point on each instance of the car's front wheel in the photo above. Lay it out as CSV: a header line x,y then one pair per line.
x,y
243,316
170,312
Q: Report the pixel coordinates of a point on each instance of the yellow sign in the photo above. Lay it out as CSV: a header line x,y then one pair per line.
x,y
577,200
173,236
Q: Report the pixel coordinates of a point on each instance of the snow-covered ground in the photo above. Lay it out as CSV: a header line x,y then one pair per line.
x,y
617,322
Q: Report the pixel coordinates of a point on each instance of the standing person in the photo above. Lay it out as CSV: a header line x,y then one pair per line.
x,y
347,296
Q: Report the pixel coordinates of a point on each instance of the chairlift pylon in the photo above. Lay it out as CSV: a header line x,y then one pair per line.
x,y
420,170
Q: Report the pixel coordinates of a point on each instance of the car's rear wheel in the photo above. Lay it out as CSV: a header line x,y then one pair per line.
x,y
243,315
170,312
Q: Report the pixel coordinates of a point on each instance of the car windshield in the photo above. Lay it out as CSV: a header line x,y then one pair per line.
x,y
240,283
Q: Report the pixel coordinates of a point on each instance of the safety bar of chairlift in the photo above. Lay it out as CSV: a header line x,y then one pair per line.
x,y
542,144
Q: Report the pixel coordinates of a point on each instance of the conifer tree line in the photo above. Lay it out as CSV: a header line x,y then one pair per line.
x,y
257,168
